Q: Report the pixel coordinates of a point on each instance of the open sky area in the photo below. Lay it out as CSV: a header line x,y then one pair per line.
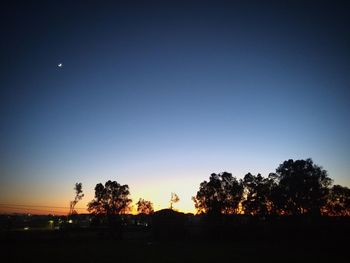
x,y
160,94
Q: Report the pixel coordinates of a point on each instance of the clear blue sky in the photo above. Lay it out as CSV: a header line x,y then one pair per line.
x,y
158,95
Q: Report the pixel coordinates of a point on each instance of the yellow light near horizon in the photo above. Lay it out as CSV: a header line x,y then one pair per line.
x,y
155,189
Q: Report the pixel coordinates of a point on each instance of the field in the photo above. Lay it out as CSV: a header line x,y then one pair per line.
x,y
50,246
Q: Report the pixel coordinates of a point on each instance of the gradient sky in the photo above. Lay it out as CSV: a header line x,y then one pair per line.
x,y
158,95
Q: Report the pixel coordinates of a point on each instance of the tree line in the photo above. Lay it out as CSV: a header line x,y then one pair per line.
x,y
297,187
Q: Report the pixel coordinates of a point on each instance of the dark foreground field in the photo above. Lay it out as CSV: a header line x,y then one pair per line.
x,y
48,246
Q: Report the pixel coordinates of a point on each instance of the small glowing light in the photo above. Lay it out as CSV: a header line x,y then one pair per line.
x,y
70,221
26,228
51,221
60,65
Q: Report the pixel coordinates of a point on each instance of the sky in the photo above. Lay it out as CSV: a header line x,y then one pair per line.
x,y
160,94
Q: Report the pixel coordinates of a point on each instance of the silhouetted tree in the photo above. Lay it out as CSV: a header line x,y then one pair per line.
x,y
222,194
257,191
301,188
275,202
110,199
173,199
338,201
144,207
78,188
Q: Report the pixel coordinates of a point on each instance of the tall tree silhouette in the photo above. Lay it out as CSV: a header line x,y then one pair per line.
x,y
338,201
302,187
110,199
78,188
222,194
258,193
174,198
144,207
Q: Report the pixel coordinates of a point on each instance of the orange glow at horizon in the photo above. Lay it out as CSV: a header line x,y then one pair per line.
x,y
32,203
39,209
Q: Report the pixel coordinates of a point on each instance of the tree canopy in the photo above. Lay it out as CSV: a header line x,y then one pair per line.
x,y
78,188
110,199
144,207
222,194
174,198
298,187
302,187
338,201
257,190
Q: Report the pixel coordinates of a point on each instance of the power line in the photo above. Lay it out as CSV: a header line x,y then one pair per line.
x,y
43,206
31,209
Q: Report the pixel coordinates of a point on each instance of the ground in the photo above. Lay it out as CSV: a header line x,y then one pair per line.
x,y
50,247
